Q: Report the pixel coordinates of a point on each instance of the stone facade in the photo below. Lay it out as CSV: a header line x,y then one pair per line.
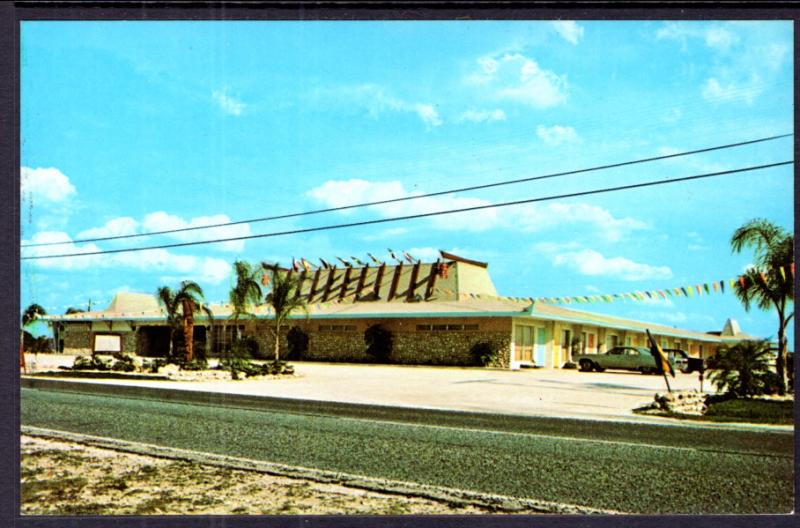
x,y
77,338
441,341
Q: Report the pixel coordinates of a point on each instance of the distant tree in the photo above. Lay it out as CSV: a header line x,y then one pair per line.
x,y
180,307
773,249
73,310
742,369
282,299
31,313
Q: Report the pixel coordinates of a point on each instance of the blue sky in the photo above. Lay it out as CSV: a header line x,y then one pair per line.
x,y
130,127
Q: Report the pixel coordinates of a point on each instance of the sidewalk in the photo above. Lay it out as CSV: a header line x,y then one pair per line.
x,y
528,392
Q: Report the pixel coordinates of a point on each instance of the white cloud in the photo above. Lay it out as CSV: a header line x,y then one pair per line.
x,y
569,30
121,226
203,269
428,114
46,185
161,221
338,193
533,218
378,100
518,78
592,263
228,104
481,116
557,134
746,60
720,38
716,90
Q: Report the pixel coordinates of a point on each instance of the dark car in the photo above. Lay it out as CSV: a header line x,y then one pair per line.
x,y
684,362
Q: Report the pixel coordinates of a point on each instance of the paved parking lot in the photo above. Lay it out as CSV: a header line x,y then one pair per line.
x,y
540,392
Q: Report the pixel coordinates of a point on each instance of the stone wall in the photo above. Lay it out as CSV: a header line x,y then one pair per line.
x,y
77,338
343,340
682,402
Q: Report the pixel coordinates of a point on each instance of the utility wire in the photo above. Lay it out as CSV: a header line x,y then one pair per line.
x,y
418,196
420,215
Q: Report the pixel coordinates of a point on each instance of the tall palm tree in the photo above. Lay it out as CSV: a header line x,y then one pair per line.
x,y
764,285
180,307
282,300
247,291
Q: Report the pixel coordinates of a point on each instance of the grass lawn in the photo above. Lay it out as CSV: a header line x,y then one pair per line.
x,y
775,412
752,411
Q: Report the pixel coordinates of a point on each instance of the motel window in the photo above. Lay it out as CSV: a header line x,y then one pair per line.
x,y
109,343
337,328
446,327
223,337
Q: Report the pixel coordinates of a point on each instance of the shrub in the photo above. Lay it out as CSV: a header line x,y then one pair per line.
x,y
196,364
379,343
743,369
483,353
154,365
92,362
123,363
570,365
298,343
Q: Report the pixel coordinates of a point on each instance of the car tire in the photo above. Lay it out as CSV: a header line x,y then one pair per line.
x,y
586,365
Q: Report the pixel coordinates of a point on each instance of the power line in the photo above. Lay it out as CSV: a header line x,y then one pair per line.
x,y
418,196
420,215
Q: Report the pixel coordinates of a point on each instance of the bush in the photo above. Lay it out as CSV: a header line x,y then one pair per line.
x,y
195,364
570,365
238,366
123,363
92,362
483,353
379,343
743,369
154,365
298,343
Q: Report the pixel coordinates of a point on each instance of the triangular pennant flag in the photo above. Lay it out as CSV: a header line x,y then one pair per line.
x,y
783,273
705,287
742,281
714,285
722,286
763,277
732,283
699,290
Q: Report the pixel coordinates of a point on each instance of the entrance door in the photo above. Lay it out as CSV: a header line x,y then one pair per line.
x,y
523,343
541,343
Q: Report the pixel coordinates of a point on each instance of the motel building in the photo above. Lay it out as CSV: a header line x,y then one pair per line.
x,y
436,313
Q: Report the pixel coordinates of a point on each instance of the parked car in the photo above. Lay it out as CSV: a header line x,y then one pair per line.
x,y
684,362
622,358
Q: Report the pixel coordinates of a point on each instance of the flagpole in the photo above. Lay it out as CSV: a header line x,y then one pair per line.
x,y
667,380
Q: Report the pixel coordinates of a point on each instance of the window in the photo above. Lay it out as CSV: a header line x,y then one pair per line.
x,y
583,342
223,337
337,328
446,327
107,343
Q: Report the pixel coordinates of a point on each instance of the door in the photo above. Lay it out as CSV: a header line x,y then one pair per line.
x,y
523,343
541,344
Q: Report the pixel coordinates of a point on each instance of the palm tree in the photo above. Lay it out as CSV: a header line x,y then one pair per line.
x,y
246,292
765,286
282,300
742,369
180,307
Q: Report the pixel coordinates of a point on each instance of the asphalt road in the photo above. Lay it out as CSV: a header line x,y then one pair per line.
x,y
716,471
